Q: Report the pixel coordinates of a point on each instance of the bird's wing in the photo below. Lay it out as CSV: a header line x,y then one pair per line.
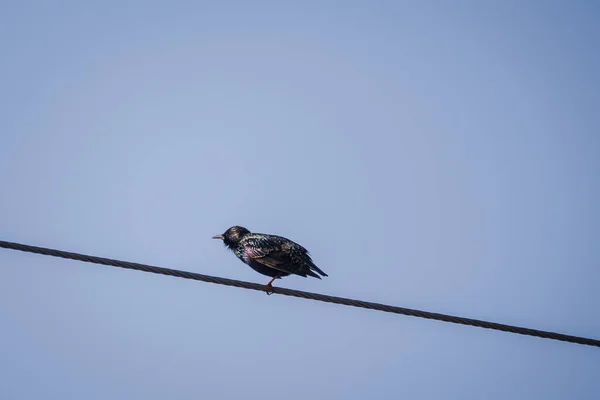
x,y
272,255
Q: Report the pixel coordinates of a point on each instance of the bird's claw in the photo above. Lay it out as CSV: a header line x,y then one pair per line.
x,y
269,289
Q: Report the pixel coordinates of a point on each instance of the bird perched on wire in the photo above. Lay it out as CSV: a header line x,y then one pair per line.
x,y
270,255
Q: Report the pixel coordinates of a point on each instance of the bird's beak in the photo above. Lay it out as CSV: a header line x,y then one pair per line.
x,y
218,237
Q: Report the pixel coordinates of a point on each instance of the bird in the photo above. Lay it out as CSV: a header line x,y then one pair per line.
x,y
270,255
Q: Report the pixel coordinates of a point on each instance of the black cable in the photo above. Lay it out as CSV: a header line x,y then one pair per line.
x,y
304,295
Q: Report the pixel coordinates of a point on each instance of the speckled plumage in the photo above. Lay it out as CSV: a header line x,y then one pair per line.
x,y
270,255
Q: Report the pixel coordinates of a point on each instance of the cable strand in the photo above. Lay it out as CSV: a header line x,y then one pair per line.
x,y
301,294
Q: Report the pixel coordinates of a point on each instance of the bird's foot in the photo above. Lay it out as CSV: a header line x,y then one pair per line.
x,y
269,289
269,286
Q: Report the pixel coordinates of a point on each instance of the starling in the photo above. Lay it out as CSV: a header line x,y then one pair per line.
x,y
270,255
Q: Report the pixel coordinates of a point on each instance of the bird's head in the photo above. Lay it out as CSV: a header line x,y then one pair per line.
x,y
233,235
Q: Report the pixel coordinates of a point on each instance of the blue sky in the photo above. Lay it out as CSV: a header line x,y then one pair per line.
x,y
434,155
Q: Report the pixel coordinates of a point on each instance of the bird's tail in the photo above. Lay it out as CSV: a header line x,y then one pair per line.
x,y
313,267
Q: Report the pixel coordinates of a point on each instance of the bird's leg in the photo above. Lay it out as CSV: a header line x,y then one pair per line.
x,y
270,285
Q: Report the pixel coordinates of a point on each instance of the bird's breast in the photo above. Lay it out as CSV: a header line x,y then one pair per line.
x,y
243,255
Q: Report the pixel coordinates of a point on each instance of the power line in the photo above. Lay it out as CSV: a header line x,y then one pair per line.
x,y
301,294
